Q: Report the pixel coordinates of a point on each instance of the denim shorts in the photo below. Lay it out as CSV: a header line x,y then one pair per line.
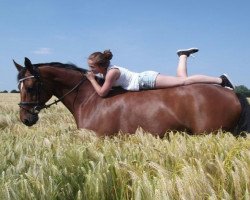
x,y
147,80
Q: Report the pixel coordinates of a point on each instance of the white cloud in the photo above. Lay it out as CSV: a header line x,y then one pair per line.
x,y
43,51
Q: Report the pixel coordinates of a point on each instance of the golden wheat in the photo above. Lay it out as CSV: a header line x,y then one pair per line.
x,y
54,160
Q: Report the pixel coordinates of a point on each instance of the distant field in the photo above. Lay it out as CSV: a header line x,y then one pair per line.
x,y
54,160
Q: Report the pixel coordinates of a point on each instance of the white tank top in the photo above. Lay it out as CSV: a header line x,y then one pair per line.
x,y
128,80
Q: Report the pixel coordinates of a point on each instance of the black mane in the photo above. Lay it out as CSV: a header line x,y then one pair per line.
x,y
53,64
61,65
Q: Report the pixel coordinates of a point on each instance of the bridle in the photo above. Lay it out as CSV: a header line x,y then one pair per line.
x,y
37,106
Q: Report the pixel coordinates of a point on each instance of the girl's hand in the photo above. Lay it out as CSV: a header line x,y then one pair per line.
x,y
90,75
110,78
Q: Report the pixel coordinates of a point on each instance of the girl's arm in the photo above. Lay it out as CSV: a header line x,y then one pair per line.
x,y
110,78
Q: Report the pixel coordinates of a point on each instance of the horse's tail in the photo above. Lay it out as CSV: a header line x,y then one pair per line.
x,y
243,125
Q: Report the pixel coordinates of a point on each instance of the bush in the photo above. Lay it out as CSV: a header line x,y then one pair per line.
x,y
5,91
14,91
243,90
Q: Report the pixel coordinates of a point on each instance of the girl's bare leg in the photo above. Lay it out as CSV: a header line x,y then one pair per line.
x,y
182,78
163,81
182,66
202,79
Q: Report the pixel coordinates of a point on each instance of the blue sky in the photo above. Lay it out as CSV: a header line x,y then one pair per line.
x,y
143,35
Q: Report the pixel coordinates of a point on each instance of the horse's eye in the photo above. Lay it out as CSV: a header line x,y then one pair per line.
x,y
30,90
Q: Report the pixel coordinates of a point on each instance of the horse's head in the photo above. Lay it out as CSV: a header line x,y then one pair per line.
x,y
33,95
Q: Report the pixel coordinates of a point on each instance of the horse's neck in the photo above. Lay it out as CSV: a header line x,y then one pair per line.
x,y
62,81
82,95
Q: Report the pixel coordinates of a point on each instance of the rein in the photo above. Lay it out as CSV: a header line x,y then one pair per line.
x,y
37,106
61,98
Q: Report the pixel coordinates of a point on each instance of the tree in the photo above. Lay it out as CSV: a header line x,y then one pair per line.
x,y
14,91
243,90
5,91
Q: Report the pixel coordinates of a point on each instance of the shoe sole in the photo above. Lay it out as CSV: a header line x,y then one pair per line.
x,y
229,81
191,51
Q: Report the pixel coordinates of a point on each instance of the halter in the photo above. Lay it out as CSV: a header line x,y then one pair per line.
x,y
37,106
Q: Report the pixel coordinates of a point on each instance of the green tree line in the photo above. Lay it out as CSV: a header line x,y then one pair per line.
x,y
242,90
12,91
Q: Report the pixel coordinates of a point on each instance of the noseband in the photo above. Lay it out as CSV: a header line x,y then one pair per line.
x,y
37,106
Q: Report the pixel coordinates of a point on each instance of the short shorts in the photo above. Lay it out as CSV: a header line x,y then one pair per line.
x,y
147,80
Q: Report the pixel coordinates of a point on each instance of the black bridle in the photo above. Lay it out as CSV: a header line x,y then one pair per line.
x,y
37,106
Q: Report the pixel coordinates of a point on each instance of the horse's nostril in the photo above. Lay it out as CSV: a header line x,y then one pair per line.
x,y
26,122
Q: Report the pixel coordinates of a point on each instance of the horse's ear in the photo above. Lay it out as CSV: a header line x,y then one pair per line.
x,y
28,65
19,67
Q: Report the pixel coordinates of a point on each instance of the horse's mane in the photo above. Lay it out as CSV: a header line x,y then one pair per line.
x,y
68,66
53,64
61,65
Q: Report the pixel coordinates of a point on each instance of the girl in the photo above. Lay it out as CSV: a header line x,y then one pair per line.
x,y
118,76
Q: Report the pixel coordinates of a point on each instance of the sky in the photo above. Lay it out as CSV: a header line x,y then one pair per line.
x,y
142,35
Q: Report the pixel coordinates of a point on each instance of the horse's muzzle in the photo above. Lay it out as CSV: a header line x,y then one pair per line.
x,y
30,120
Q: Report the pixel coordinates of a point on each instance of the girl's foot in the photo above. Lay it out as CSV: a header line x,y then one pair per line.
x,y
187,52
226,82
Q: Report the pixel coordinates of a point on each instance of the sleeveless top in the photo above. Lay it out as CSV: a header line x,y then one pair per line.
x,y
128,80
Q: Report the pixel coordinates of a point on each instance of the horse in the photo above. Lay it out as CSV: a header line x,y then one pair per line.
x,y
196,109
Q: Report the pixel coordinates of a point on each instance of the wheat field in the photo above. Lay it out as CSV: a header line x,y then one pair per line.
x,y
54,160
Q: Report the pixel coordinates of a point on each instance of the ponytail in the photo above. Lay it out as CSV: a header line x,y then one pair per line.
x,y
108,54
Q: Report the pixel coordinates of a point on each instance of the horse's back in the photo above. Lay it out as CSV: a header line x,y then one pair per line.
x,y
195,108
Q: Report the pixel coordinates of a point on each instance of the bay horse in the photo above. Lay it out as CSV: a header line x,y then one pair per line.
x,y
196,108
